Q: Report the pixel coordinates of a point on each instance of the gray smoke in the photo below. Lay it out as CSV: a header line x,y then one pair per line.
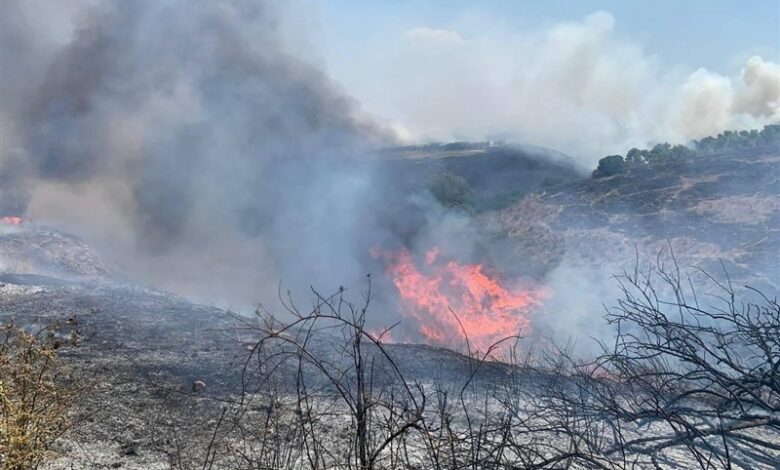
x,y
197,130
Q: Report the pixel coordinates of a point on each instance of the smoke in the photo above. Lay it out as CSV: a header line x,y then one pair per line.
x,y
190,144
574,86
760,95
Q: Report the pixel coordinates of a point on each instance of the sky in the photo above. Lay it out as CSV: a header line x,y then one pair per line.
x,y
444,70
716,34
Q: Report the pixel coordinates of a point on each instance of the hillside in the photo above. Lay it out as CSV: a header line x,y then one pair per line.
x,y
722,207
497,173
159,368
163,369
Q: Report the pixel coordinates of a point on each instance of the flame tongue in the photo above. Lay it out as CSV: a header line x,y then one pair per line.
x,y
433,296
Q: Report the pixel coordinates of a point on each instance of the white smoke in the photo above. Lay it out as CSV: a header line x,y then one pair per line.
x,y
760,95
575,86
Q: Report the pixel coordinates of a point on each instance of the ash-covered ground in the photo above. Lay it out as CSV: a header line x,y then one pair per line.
x,y
159,368
172,383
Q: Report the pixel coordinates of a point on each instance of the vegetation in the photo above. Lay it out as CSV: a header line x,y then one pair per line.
x,y
609,166
733,140
35,393
612,165
452,191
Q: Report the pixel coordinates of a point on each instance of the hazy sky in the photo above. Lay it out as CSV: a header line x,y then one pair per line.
x,y
717,34
464,69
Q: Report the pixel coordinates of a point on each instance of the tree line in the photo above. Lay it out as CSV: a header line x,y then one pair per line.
x,y
768,137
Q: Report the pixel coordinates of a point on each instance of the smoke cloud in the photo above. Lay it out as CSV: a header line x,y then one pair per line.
x,y
193,143
574,86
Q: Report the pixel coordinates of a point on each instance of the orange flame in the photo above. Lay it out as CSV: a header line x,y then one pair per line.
x,y
11,220
488,311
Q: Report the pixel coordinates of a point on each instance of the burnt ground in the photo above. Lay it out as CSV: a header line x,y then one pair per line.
x,y
715,211
142,352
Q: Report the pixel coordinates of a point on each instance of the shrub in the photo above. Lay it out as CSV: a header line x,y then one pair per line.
x,y
35,396
452,191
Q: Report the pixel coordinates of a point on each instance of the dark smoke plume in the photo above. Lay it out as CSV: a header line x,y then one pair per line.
x,y
216,137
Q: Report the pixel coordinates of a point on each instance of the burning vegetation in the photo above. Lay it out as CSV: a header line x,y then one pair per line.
x,y
455,305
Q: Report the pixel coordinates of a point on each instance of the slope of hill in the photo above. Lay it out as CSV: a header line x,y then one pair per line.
x,y
498,174
145,350
157,364
33,249
722,207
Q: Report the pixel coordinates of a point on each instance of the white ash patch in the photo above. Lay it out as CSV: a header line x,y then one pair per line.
x,y
753,210
104,454
14,290
38,250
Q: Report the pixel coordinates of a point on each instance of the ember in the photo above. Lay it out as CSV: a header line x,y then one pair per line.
x,y
11,220
446,299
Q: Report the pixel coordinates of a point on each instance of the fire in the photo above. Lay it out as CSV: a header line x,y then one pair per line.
x,y
11,220
446,299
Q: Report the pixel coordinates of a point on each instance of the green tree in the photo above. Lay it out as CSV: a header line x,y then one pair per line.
x,y
635,157
681,152
609,166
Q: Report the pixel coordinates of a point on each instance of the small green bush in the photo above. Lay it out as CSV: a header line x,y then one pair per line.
x,y
452,191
